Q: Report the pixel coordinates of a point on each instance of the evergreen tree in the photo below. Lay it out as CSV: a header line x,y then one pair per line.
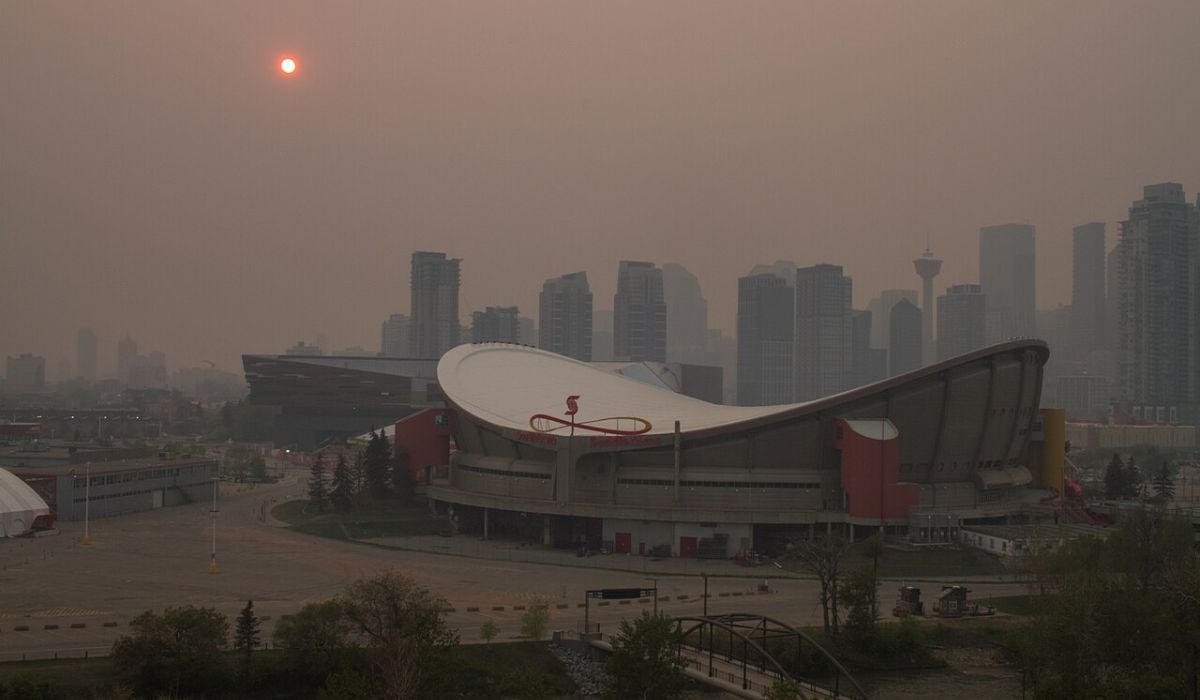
x,y
1164,485
377,463
341,491
1114,477
246,635
358,472
317,493
1132,479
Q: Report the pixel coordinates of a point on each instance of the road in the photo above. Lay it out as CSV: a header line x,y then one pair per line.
x,y
151,560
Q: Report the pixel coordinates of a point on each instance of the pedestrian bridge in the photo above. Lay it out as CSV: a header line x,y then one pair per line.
x,y
747,653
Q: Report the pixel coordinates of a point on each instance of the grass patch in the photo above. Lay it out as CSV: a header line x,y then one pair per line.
x,y
950,562
1012,604
397,521
291,512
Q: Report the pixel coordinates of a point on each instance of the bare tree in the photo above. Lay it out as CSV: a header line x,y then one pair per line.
x,y
822,557
404,626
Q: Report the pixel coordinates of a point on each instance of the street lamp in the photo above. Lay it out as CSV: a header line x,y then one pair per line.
x,y
87,502
212,563
655,580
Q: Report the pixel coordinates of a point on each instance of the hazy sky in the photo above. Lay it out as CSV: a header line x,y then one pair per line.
x,y
158,176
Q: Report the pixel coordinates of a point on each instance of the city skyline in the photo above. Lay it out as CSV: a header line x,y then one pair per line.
x,y
196,185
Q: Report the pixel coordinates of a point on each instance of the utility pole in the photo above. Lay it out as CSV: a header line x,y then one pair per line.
x,y
87,502
212,563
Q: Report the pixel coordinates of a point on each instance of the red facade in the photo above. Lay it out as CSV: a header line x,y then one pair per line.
x,y
425,437
871,471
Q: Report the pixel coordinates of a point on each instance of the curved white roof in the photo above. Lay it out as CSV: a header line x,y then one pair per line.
x,y
19,505
506,385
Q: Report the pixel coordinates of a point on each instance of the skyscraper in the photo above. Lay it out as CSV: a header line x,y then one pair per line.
x,y
126,357
905,351
86,354
395,336
928,266
881,314
869,362
1158,285
565,315
1006,273
823,347
765,320
687,315
961,320
639,313
496,324
1087,289
25,372
434,321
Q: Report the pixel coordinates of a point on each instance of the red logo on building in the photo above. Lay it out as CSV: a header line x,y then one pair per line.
x,y
613,425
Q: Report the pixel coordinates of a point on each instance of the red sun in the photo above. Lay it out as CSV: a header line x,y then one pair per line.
x,y
288,65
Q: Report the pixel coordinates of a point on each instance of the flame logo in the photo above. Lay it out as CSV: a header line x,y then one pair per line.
x,y
545,423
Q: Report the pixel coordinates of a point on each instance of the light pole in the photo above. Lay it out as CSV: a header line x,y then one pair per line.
x,y
705,575
87,502
651,578
212,564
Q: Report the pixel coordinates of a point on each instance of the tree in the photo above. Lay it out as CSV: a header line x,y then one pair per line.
x,y
246,634
258,468
359,472
317,494
377,462
782,690
341,491
318,638
533,622
644,663
488,631
1114,478
403,624
1164,485
176,653
822,557
857,596
1131,480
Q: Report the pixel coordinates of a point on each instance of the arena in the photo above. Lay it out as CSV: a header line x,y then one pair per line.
x,y
537,443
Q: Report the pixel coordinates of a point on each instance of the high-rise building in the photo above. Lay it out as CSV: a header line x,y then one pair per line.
x,y
126,356
87,354
869,362
395,336
303,349
687,315
639,313
496,324
823,351
26,371
434,324
527,332
1158,285
881,314
905,351
962,313
602,335
1087,289
765,320
927,266
1007,270
565,316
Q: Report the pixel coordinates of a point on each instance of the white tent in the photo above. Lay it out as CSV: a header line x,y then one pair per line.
x,y
19,505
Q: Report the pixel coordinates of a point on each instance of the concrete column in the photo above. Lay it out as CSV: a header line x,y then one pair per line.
x,y
485,523
547,536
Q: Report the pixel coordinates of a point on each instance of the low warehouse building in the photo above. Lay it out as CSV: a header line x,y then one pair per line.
x,y
121,487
